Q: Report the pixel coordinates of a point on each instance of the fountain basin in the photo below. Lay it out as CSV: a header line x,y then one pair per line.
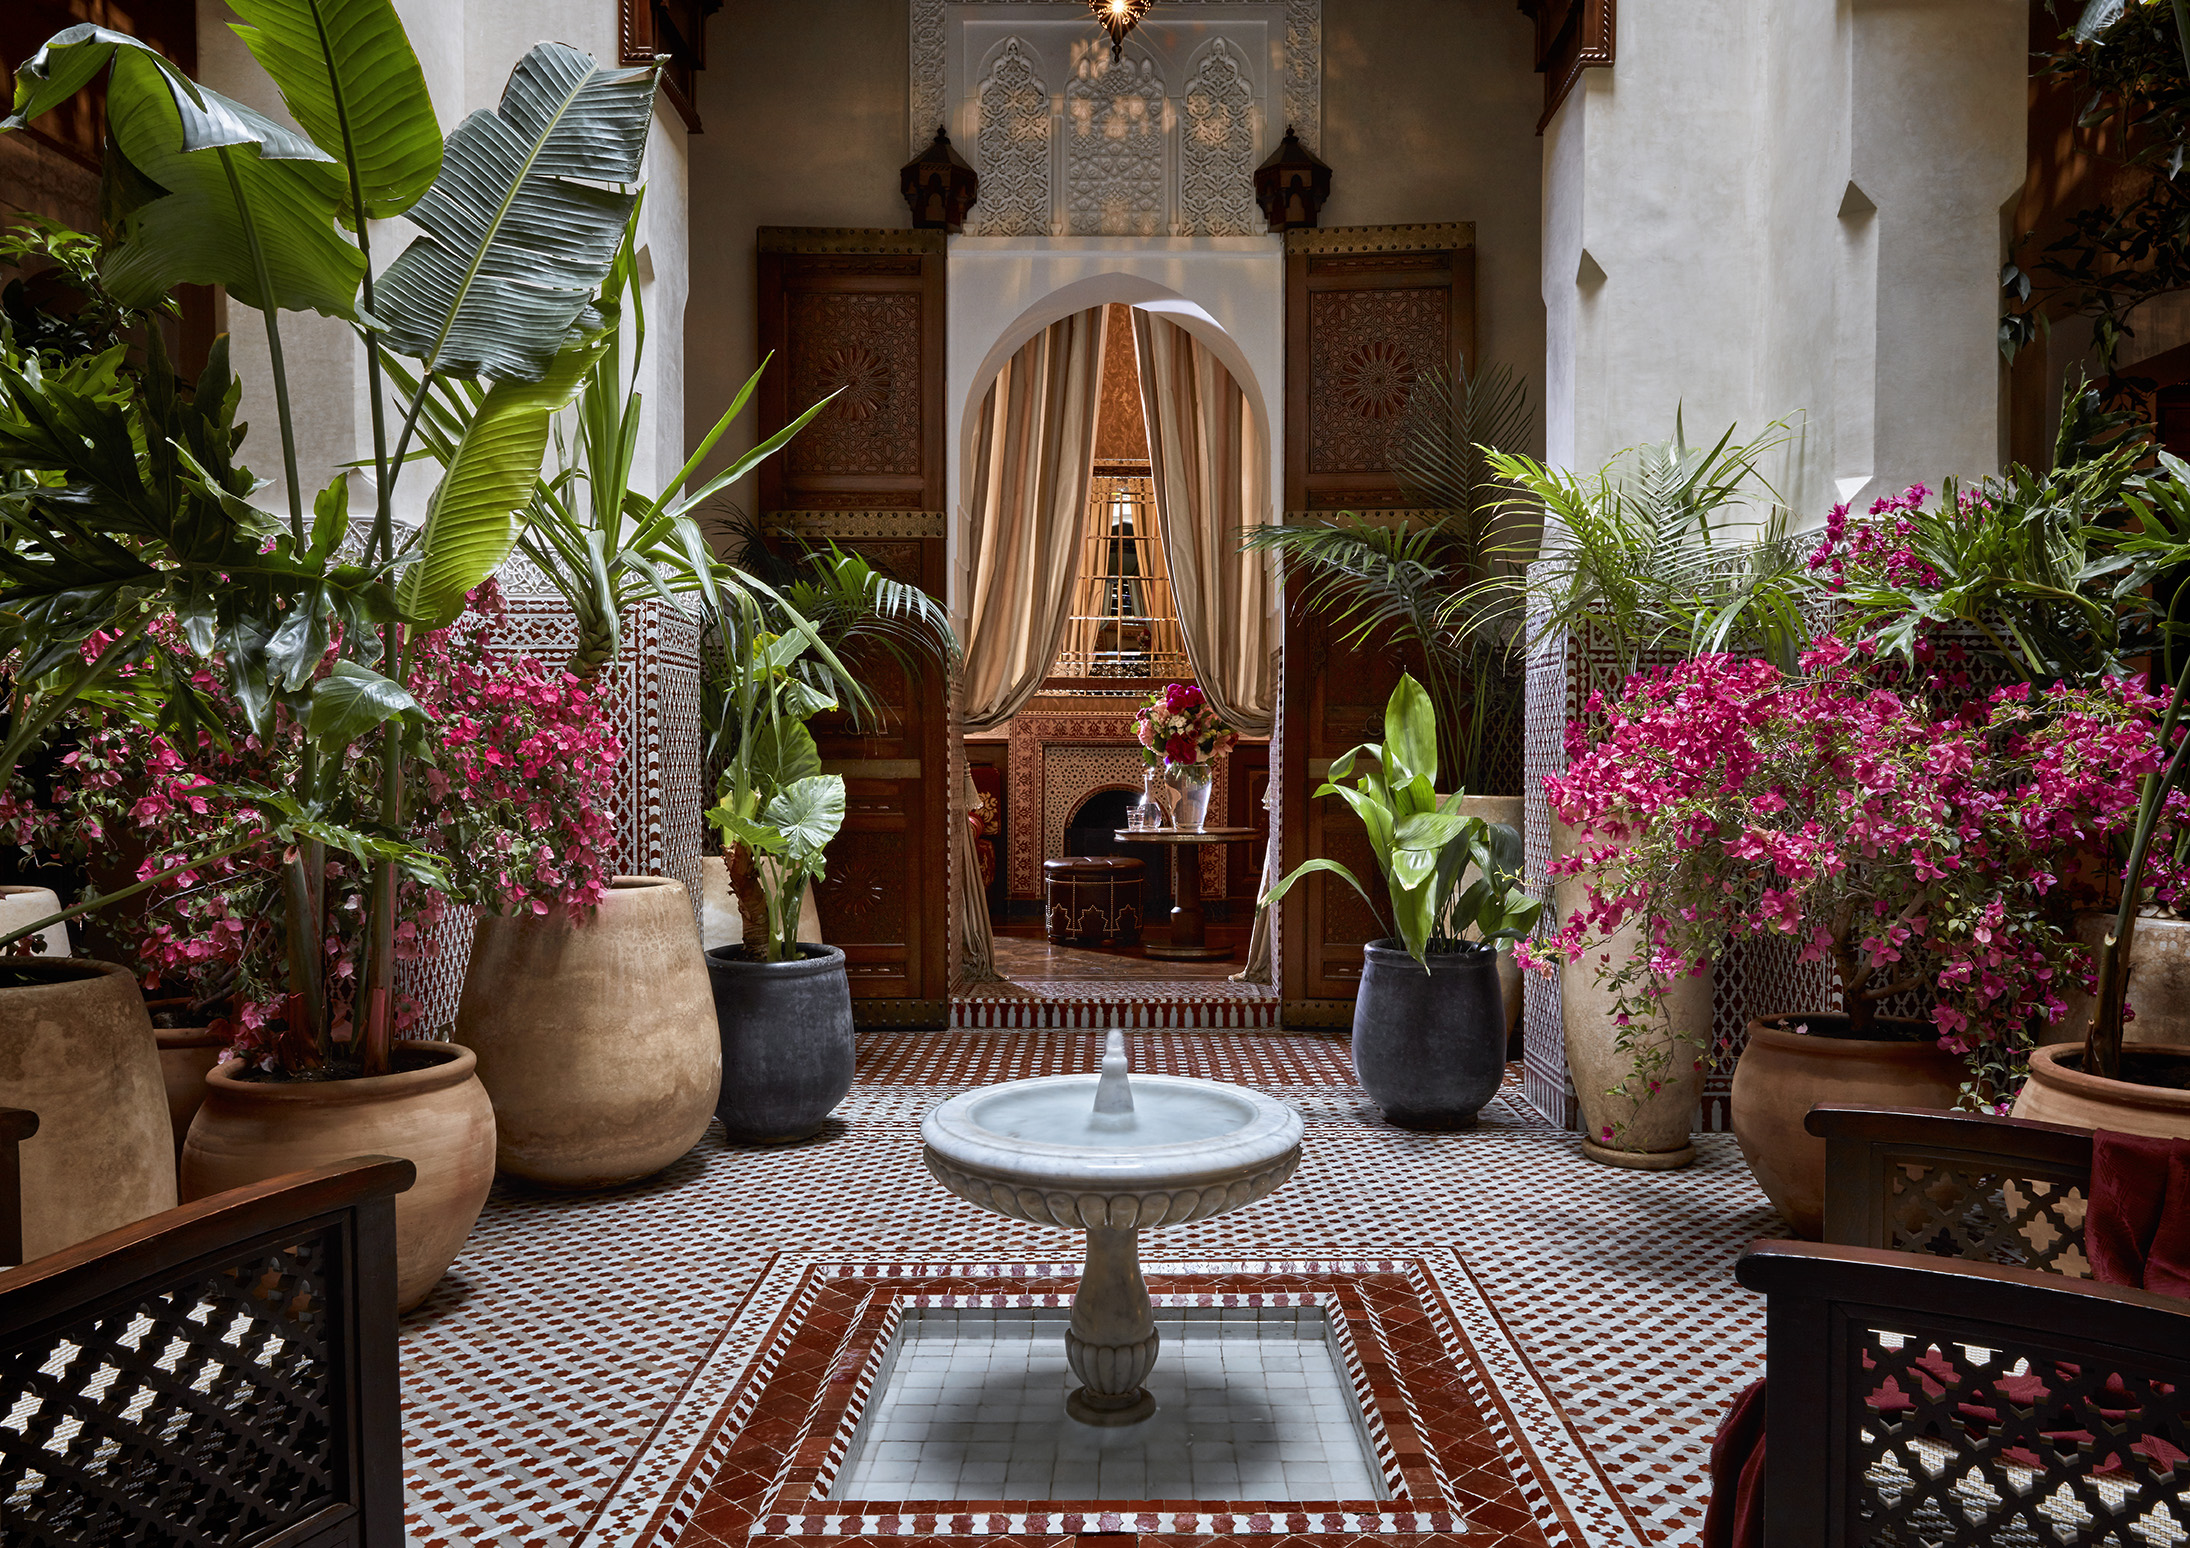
x,y
1031,1149
1113,1156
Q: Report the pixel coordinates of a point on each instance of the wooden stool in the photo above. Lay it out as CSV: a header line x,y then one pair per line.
x,y
1092,900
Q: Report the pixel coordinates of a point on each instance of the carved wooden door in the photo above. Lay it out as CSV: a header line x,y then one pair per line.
x,y
860,313
1368,309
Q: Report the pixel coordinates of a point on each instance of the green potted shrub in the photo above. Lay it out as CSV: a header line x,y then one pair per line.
x,y
783,1006
1429,1036
205,191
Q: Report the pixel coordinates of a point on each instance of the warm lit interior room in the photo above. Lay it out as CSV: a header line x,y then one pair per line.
x,y
1014,772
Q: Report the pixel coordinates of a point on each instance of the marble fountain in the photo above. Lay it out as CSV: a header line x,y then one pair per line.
x,y
1112,1154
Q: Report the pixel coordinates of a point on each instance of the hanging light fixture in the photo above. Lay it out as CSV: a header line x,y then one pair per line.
x,y
1118,17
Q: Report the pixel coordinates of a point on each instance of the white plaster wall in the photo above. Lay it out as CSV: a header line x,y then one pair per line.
x,y
1001,291
1821,248
802,109
1429,115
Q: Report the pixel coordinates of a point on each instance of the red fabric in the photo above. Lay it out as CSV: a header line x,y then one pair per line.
x,y
1735,1517
2137,1225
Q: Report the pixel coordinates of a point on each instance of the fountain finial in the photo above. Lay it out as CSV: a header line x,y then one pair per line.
x,y
1114,1091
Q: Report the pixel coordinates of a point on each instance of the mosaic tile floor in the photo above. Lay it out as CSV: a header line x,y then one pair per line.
x,y
586,1352
1064,987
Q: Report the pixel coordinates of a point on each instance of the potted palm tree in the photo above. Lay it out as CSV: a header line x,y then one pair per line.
x,y
1429,1039
301,629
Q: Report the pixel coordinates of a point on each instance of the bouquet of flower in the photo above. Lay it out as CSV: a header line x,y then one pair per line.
x,y
1177,727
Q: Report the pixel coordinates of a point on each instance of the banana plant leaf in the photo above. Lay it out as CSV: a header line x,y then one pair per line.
x,y
471,523
517,233
202,190
350,78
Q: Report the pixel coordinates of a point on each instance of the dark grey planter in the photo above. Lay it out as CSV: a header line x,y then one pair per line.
x,y
1429,1047
787,1051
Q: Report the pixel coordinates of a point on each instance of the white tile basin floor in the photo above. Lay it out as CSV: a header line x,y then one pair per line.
x,y
971,1406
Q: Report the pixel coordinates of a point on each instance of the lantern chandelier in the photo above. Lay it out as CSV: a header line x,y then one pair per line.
x,y
1118,17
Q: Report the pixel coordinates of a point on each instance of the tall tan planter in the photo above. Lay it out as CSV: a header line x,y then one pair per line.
x,y
2059,1091
1784,1073
76,1048
2159,982
596,1039
436,1116
1654,1133
1513,812
20,906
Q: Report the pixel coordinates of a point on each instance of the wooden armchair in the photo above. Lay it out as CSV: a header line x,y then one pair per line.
x,y
223,1373
1943,1372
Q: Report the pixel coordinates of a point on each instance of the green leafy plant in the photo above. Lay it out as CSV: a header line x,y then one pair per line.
x,y
126,507
1660,551
785,652
1416,584
1425,846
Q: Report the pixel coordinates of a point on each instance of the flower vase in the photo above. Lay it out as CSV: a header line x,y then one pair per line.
x,y
1190,784
1157,789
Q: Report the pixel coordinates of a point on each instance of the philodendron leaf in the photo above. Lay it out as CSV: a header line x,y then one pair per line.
x,y
807,813
518,232
352,700
347,72
471,522
782,753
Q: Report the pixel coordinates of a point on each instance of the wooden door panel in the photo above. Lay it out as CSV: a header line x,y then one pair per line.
x,y
1368,310
860,314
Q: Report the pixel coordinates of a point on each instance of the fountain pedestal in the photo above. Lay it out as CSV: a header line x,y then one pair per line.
x,y
1111,1343
1112,1156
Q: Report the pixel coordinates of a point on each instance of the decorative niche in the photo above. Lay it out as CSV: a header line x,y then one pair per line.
x,y
1161,142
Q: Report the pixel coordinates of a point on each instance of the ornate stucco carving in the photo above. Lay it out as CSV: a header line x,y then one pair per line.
x,y
1421,238
1303,66
1014,147
1114,147
858,524
1217,148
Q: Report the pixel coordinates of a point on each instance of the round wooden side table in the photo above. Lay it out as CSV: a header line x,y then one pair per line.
x,y
1188,942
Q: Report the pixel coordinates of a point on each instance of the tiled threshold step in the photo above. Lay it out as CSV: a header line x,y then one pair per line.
x,y
1036,1003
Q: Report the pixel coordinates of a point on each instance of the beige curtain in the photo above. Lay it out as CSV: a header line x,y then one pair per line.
x,y
977,956
1033,452
1212,477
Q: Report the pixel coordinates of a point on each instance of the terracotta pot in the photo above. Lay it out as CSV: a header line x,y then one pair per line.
x,y
1784,1073
435,1116
20,906
76,1048
596,1039
1650,1134
2159,982
2059,1091
1513,812
187,1056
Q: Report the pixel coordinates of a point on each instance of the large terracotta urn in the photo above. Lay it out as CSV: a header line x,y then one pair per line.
x,y
2153,1097
596,1036
432,1112
20,906
1792,1063
76,1048
187,1056
1646,1130
2159,982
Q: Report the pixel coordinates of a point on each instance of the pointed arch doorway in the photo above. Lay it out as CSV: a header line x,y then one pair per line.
x,y
1114,446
